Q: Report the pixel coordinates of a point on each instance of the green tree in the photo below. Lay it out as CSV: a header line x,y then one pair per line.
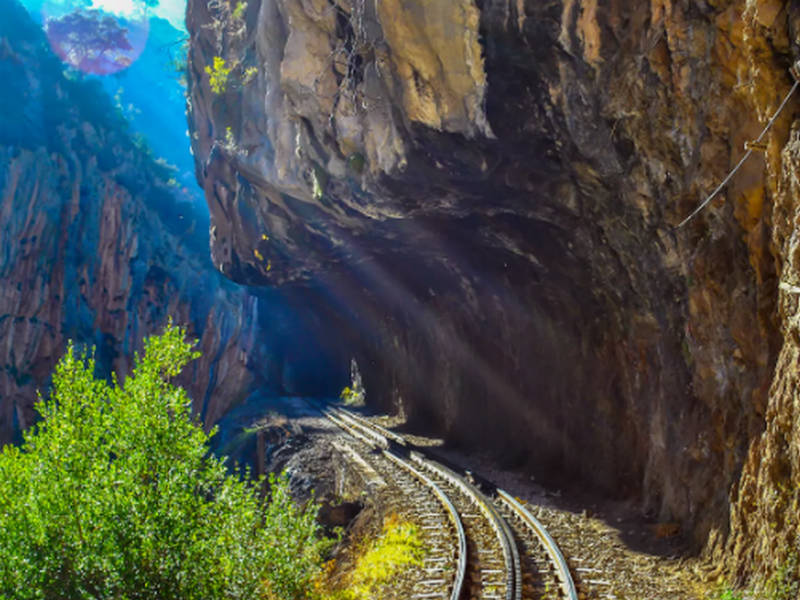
x,y
115,495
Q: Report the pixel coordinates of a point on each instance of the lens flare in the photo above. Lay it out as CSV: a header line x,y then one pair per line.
x,y
98,38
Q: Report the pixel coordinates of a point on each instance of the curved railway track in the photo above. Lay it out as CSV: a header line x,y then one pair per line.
x,y
489,546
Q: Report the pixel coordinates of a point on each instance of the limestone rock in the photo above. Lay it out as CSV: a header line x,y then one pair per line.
x,y
481,197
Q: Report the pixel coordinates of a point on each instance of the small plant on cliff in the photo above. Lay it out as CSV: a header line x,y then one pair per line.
x,y
784,583
354,394
218,74
115,495
227,22
237,14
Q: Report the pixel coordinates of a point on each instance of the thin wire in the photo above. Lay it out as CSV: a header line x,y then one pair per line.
x,y
744,158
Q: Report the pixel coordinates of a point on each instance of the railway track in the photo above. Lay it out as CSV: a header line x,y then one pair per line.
x,y
488,547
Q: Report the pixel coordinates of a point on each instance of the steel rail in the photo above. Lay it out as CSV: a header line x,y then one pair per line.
x,y
374,427
461,564
556,557
365,434
503,534
498,524
515,559
370,437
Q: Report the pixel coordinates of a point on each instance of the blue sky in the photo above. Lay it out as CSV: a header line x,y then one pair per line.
x,y
173,11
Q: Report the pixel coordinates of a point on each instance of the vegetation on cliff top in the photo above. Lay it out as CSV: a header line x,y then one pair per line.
x,y
115,495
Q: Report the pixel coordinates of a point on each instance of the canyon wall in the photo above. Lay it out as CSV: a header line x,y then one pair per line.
x,y
94,246
481,196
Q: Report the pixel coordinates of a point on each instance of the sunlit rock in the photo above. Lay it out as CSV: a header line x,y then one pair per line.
x,y
500,251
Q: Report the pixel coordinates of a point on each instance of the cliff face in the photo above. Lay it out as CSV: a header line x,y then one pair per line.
x,y
483,195
93,245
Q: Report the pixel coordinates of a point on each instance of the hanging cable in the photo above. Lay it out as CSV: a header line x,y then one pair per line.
x,y
749,146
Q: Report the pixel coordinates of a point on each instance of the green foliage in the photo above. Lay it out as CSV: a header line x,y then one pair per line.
x,y
114,495
179,62
249,75
351,397
784,585
237,14
399,546
218,75
229,143
354,394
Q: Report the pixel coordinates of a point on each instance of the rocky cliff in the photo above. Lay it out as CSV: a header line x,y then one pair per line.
x,y
94,247
482,196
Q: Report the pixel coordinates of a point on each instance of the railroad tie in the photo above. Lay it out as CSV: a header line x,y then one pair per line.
x,y
492,521
433,582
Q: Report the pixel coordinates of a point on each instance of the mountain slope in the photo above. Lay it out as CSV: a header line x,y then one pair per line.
x,y
94,245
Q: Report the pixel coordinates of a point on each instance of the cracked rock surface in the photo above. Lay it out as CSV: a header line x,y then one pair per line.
x,y
479,199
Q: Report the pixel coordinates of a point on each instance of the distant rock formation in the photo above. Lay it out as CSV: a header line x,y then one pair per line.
x,y
484,195
94,247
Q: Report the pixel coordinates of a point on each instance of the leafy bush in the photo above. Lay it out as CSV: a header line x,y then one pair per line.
x,y
114,495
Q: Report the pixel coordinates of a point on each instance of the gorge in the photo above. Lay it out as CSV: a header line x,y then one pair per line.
x,y
100,246
478,201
